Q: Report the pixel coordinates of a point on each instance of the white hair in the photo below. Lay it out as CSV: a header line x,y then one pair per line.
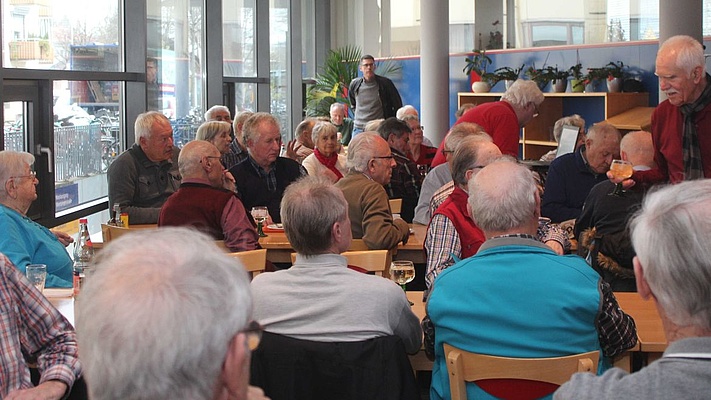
x,y
143,126
689,53
209,130
250,128
523,92
214,109
156,317
322,128
361,150
407,109
574,120
670,235
12,163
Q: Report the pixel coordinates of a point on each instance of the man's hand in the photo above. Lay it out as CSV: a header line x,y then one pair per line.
x,y
50,390
291,149
255,393
63,237
626,183
555,246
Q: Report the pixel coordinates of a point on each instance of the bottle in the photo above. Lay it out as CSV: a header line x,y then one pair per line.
x,y
83,255
116,216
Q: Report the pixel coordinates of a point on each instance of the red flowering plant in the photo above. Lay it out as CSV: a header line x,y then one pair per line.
x,y
615,70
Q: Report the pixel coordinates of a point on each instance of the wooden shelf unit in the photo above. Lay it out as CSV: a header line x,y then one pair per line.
x,y
537,136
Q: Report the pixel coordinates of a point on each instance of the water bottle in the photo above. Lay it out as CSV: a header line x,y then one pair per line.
x,y
83,255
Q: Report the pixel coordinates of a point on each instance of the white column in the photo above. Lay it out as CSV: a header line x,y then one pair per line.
x,y
434,68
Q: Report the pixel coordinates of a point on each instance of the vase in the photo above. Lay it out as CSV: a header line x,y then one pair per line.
x,y
577,86
559,85
480,87
614,85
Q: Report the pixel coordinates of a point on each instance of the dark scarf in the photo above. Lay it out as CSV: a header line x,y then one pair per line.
x,y
329,162
693,167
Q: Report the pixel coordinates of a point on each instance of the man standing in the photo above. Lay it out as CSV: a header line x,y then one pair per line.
x,y
372,96
142,177
516,297
339,117
262,178
370,165
572,175
406,179
359,306
166,315
673,269
202,202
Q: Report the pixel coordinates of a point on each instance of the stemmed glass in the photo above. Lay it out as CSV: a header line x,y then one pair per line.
x,y
620,169
402,272
260,215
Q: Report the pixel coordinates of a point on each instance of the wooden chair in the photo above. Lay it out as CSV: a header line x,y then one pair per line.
x,y
110,232
253,261
376,261
464,367
359,245
395,206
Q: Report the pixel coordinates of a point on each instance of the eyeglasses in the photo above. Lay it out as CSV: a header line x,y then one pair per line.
x,y
422,128
254,334
536,111
445,151
32,175
368,65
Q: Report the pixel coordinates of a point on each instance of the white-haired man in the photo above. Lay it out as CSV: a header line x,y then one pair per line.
x,y
673,268
339,117
516,297
166,315
142,177
370,166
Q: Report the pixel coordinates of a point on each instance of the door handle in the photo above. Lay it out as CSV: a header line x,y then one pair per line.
x,y
46,150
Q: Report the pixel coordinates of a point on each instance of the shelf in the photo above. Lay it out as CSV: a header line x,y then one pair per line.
x,y
636,119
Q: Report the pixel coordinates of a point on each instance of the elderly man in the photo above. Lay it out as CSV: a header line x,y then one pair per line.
x,y
33,331
479,305
218,113
339,117
303,145
608,216
142,177
261,179
442,174
372,96
359,307
370,165
681,122
202,202
503,119
24,241
238,151
572,175
406,179
166,315
673,268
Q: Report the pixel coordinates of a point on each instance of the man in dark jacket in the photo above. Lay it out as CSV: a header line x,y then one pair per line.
x,y
372,96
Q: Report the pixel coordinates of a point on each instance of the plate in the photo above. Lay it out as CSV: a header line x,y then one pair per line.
x,y
274,227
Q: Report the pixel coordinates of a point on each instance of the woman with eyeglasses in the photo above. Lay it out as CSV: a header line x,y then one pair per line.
x,y
420,154
24,241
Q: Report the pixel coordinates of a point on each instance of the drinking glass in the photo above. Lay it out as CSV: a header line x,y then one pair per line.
x,y
260,215
402,272
37,275
620,169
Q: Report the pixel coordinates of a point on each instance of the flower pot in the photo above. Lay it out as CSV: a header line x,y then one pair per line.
x,y
614,85
577,86
480,87
559,85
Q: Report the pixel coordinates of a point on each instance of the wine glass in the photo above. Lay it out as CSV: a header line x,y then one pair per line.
x,y
260,215
620,169
402,272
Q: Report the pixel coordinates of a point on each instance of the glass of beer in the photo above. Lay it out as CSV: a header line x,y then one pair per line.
x,y
620,169
260,215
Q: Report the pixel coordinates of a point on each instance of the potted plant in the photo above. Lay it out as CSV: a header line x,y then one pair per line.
x,y
508,74
594,77
559,78
615,75
577,83
475,67
539,75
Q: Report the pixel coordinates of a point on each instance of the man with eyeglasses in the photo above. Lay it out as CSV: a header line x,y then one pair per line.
x,y
142,177
370,166
166,315
372,96
202,202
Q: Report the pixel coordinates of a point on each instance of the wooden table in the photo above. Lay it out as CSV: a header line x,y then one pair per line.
x,y
279,249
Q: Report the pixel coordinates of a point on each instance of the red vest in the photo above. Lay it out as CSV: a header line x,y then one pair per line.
x,y
198,205
455,208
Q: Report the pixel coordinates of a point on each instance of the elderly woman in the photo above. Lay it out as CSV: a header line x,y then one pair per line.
x,y
24,241
420,154
325,160
217,133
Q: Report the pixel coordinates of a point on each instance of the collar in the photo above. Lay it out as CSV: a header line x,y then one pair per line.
x,y
261,171
320,261
200,181
141,157
513,240
693,348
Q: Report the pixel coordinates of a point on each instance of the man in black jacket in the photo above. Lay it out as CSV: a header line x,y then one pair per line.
x,y
372,96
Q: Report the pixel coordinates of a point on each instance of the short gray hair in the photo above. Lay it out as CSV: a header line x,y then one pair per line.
x,y
322,128
250,129
155,319
670,235
461,131
209,130
601,130
466,157
407,109
523,92
214,109
12,163
574,120
689,52
144,124
338,105
238,124
309,208
303,126
506,205
361,150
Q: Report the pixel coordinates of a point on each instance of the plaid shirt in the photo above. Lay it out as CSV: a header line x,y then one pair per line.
x,y
235,156
32,330
406,180
268,177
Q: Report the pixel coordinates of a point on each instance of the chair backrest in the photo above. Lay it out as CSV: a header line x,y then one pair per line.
x,y
359,245
395,206
464,367
110,232
293,369
376,261
253,261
